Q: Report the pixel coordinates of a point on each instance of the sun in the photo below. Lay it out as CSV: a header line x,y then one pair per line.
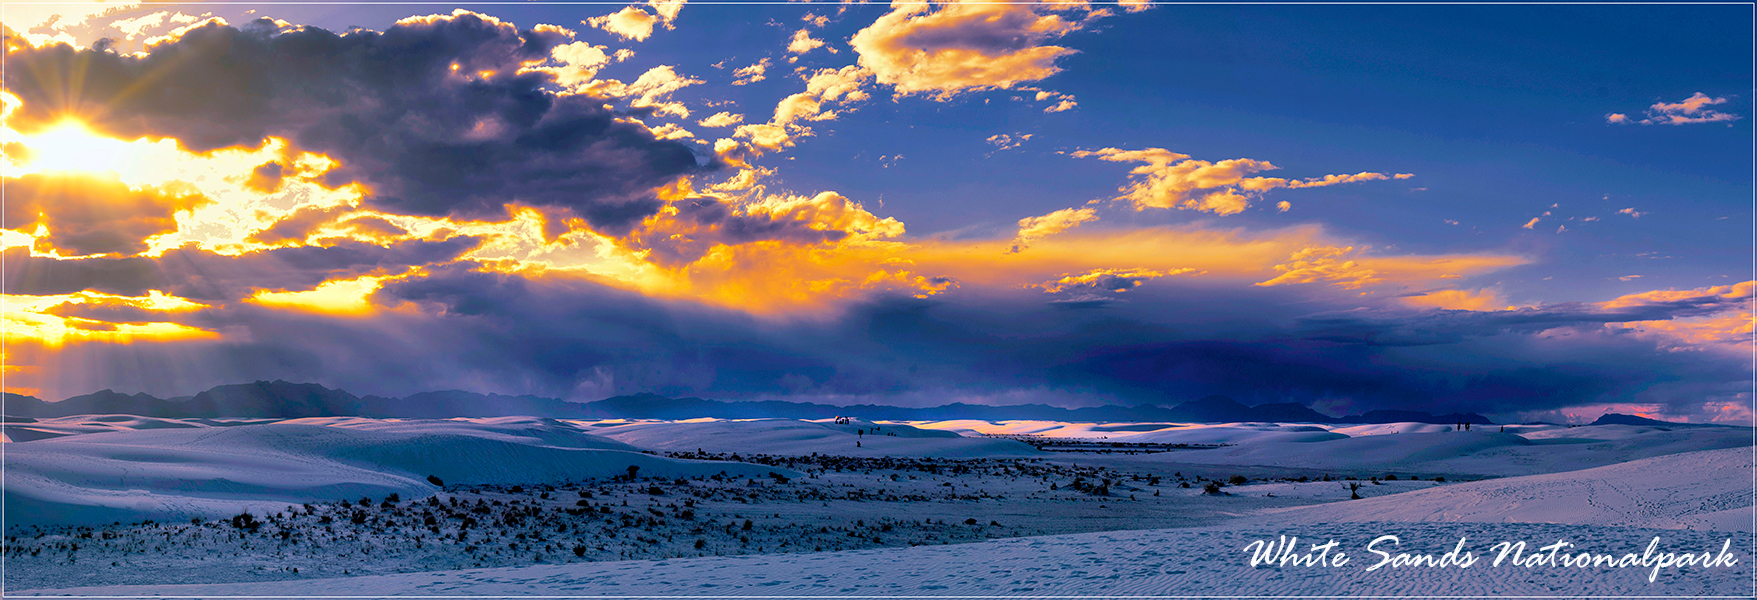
x,y
71,146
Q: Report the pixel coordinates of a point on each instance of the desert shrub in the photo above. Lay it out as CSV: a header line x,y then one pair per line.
x,y
1213,487
1238,480
435,481
970,521
579,550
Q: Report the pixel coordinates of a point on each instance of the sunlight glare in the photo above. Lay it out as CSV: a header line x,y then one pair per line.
x,y
70,146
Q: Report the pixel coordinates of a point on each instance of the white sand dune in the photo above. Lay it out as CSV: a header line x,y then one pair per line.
x,y
1183,562
1487,453
801,438
1692,500
170,473
1707,490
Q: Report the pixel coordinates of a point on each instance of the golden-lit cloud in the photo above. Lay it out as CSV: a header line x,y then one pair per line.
x,y
651,90
76,214
574,65
802,42
1478,300
1727,324
964,46
1036,228
1173,180
668,10
1722,293
630,23
824,86
349,297
721,119
753,73
1105,280
690,229
1350,268
1692,110
52,321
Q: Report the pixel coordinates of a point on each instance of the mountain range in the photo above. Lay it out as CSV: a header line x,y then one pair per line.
x,y
284,400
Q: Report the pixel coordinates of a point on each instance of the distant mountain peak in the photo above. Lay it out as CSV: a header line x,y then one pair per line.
x,y
1620,419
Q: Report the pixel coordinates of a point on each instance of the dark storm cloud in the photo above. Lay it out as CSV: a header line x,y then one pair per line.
x,y
703,223
574,338
1415,328
92,214
299,225
25,274
206,277
426,139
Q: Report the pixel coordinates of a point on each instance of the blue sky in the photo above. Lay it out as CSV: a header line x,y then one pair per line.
x,y
917,204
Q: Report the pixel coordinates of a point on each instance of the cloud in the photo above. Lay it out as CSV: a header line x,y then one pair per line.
x,y
668,10
721,119
1532,223
690,229
1003,142
576,64
1477,300
573,337
841,86
802,43
649,92
92,213
1036,228
1172,180
432,116
751,74
1063,102
1631,212
1706,319
630,23
1104,280
963,46
1349,268
204,276
1694,109
1561,319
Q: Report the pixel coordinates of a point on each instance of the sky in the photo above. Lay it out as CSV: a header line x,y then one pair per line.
x,y
1530,212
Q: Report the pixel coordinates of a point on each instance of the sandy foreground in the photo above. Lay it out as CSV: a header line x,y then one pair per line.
x,y
1194,561
964,515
